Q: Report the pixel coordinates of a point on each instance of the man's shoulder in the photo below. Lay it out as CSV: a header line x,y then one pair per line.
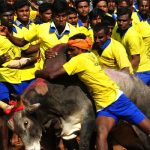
x,y
44,26
131,32
73,30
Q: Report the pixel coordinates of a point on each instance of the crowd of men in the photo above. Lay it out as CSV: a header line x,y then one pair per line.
x,y
119,30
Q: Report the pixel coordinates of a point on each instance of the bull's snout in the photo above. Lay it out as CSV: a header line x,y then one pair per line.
x,y
34,146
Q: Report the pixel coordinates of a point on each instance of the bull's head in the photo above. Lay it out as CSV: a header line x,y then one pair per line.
x,y
27,127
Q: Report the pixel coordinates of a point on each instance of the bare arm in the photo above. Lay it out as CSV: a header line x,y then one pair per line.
x,y
57,73
32,49
17,41
22,62
126,69
135,60
53,75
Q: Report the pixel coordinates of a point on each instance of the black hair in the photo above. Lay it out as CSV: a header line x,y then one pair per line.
x,y
120,1
71,10
123,11
21,3
78,1
95,13
101,26
97,1
59,6
108,21
44,7
4,7
78,36
111,1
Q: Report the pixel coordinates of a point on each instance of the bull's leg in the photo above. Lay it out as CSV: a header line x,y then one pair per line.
x,y
142,137
87,128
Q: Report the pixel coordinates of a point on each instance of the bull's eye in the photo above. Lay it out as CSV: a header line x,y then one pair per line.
x,y
25,123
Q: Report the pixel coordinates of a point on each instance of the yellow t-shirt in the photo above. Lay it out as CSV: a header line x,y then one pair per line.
x,y
135,18
28,72
33,14
114,56
86,65
7,74
48,37
133,43
143,28
88,33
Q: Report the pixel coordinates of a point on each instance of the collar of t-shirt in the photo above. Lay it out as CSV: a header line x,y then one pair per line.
x,y
101,49
122,32
141,19
107,42
148,20
20,25
79,23
139,16
54,29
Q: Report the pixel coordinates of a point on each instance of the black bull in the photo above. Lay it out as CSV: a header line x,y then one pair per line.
x,y
66,105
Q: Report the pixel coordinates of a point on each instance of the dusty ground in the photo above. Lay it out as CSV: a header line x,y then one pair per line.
x,y
115,147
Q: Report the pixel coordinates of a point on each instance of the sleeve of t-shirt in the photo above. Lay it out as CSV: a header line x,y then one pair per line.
x,y
134,44
121,56
74,66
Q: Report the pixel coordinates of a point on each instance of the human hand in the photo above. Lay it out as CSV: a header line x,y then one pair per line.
x,y
50,54
4,58
4,31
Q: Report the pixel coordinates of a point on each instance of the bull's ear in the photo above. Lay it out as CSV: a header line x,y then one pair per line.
x,y
33,107
10,124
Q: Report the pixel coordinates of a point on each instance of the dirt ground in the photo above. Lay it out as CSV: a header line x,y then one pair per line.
x,y
115,147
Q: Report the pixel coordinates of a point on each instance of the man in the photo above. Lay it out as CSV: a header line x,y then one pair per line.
x,y
111,6
9,77
111,103
45,13
134,45
102,4
23,25
96,16
128,3
50,34
143,27
83,9
111,53
73,19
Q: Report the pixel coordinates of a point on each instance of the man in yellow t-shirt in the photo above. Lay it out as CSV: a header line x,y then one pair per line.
x,y
134,45
111,103
143,27
10,81
72,18
23,25
111,53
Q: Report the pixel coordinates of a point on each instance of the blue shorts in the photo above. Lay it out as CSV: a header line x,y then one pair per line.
x,y
123,108
25,84
144,76
7,88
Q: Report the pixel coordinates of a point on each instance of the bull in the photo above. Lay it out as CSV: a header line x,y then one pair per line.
x,y
66,106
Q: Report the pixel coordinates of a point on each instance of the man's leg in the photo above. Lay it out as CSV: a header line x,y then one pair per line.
x,y
144,125
104,125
